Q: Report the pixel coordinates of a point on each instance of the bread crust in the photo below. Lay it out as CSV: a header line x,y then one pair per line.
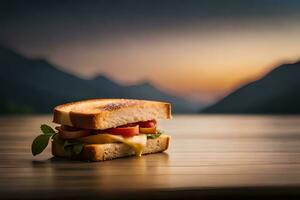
x,y
102,152
108,113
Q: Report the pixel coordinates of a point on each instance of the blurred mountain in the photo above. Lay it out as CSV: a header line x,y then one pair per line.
x,y
36,86
147,91
278,92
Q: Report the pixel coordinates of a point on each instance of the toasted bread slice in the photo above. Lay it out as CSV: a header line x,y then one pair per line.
x,y
109,113
101,152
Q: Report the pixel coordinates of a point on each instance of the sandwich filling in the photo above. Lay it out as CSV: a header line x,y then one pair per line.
x,y
134,135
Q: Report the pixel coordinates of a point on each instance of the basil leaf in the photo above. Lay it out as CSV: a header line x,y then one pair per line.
x,y
77,148
47,130
39,144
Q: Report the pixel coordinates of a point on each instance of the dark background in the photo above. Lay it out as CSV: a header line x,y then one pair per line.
x,y
202,56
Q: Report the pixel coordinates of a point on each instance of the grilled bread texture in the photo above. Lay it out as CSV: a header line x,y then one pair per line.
x,y
102,114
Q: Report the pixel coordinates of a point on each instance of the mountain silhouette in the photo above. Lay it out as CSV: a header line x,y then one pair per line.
x,y
148,91
36,86
278,92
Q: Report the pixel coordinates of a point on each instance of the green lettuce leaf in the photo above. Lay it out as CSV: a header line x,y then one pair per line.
x,y
154,136
73,146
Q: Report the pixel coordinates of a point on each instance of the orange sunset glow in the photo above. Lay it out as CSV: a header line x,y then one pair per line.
x,y
199,64
201,52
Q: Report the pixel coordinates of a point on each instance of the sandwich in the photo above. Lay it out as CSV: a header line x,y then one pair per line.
x,y
105,129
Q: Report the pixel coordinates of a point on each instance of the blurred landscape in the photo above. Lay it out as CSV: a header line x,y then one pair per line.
x,y
205,57
39,85
275,93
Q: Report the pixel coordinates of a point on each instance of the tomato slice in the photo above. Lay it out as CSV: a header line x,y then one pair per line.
x,y
148,124
71,133
127,131
151,130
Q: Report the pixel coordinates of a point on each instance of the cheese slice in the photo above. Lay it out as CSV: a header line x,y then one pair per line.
x,y
137,143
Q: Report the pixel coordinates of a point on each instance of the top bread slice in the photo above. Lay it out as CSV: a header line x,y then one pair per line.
x,y
109,113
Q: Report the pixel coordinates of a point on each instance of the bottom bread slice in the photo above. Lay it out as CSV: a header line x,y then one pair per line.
x,y
101,152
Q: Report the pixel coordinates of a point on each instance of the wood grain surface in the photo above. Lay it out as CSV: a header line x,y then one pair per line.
x,y
209,157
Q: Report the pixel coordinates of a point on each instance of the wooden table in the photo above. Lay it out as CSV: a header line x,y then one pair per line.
x,y
210,157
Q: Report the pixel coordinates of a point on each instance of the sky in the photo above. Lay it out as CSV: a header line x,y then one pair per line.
x,y
197,49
